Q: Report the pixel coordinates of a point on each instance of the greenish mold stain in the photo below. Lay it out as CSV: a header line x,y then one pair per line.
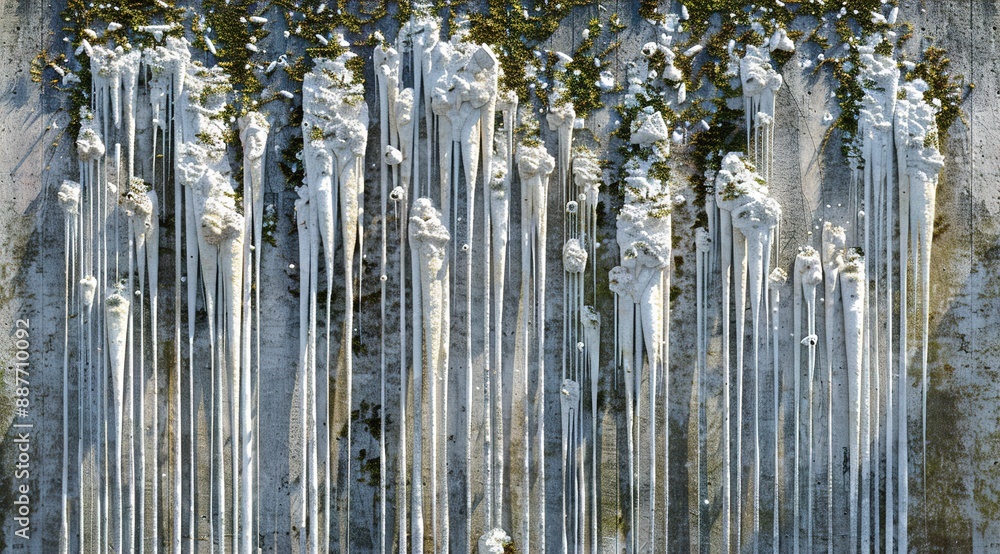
x,y
961,459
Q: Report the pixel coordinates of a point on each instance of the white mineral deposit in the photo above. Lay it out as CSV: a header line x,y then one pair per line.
x,y
642,235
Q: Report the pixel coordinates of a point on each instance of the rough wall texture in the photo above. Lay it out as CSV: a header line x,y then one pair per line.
x,y
957,508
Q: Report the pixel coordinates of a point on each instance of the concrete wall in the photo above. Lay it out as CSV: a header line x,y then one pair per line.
x,y
955,509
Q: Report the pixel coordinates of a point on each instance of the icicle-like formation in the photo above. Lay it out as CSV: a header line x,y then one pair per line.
x,y
116,311
139,206
587,182
644,237
254,129
499,214
560,118
592,342
115,74
151,235
703,250
755,217
832,253
587,176
776,279
429,239
569,404
69,198
448,116
748,219
308,489
90,152
918,161
808,276
438,103
852,282
464,101
760,84
386,61
879,77
335,132
527,434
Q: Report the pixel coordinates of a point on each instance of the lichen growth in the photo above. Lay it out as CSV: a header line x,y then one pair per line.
x,y
515,32
584,71
233,33
943,90
90,21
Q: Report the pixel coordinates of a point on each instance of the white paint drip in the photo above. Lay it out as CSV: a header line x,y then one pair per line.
x,y
748,218
335,130
703,249
254,129
116,311
69,198
455,88
756,218
919,162
852,283
834,241
760,85
644,237
534,166
429,238
809,273
386,61
776,279
879,77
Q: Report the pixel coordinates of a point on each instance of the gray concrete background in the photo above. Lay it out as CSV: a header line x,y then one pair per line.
x,y
961,511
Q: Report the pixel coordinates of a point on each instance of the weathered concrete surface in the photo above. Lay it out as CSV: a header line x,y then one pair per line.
x,y
31,279
961,509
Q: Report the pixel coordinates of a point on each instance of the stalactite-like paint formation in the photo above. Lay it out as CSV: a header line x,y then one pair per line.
x,y
447,133
918,161
749,218
777,278
852,283
809,274
527,439
429,240
69,199
501,176
644,237
386,61
832,254
879,75
760,84
253,135
335,131
186,101
756,219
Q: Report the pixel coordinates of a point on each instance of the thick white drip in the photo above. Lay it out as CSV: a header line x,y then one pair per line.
x,y
437,142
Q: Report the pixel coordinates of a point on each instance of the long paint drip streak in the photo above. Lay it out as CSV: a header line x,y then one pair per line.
x,y
228,302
